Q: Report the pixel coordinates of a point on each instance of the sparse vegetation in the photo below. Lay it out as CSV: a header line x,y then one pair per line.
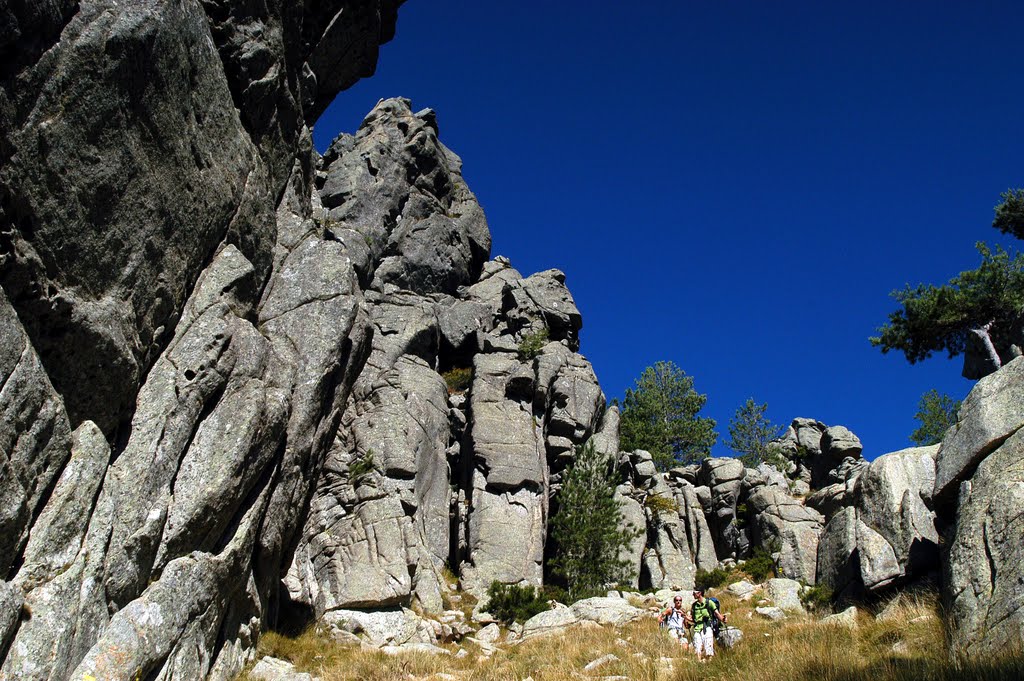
x,y
513,602
532,344
760,566
908,646
360,467
661,506
817,598
458,379
741,515
710,579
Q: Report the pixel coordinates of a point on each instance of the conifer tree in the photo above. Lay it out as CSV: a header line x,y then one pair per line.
x,y
588,531
661,416
936,413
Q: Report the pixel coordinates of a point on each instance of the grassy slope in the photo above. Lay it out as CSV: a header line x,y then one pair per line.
x,y
908,646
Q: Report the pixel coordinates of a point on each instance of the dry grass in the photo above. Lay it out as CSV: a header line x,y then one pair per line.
x,y
909,646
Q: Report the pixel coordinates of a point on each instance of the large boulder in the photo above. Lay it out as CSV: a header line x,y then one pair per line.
x,y
789,529
983,581
893,498
991,413
887,535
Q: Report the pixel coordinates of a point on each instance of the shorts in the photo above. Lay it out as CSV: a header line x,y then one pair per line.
x,y
678,634
704,641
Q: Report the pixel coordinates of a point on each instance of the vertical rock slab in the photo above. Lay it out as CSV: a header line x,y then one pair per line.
x,y
132,112
984,568
59,577
691,512
35,436
724,477
507,530
838,565
668,559
991,413
790,529
892,497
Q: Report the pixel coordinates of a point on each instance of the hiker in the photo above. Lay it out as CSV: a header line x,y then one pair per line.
x,y
677,620
703,613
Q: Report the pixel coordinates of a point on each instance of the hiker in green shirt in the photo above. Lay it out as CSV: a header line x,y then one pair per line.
x,y
703,612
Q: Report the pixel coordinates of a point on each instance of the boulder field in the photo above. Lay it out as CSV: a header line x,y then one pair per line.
x,y
244,385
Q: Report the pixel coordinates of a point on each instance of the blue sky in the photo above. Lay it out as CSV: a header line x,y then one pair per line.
x,y
732,186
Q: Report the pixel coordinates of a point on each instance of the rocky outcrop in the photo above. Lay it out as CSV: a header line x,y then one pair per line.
x,y
885,531
167,297
242,384
981,460
991,413
816,450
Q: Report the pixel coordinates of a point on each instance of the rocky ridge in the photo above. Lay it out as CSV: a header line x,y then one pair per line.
x,y
245,386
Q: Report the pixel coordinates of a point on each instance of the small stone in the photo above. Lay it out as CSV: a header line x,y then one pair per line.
x,y
274,669
846,618
489,634
730,637
600,662
772,613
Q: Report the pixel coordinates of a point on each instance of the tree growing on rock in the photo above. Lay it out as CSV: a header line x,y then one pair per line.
x,y
588,532
936,413
979,312
1010,213
660,415
751,434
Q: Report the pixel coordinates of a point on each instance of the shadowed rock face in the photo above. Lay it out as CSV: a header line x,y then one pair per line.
x,y
179,337
124,164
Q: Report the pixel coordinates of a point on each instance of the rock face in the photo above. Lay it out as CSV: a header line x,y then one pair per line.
x,y
992,412
243,385
982,565
179,336
885,533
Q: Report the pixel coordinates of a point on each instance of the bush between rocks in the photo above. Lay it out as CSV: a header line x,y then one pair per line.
x,y
514,603
760,565
710,579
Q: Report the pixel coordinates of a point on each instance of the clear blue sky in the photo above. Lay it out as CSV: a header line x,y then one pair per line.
x,y
733,186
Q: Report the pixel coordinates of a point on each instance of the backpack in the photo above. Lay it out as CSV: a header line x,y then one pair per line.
x,y
714,623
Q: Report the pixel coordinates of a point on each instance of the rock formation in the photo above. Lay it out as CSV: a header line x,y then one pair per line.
x,y
980,467
180,337
243,385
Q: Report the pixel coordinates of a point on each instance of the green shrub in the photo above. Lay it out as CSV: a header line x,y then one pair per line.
x,y
513,603
760,565
710,580
660,505
533,343
360,467
817,598
741,515
458,379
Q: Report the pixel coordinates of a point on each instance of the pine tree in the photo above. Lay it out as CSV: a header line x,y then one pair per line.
x,y
661,416
750,433
936,413
588,531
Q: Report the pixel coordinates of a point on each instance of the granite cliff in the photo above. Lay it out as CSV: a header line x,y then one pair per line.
x,y
243,385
